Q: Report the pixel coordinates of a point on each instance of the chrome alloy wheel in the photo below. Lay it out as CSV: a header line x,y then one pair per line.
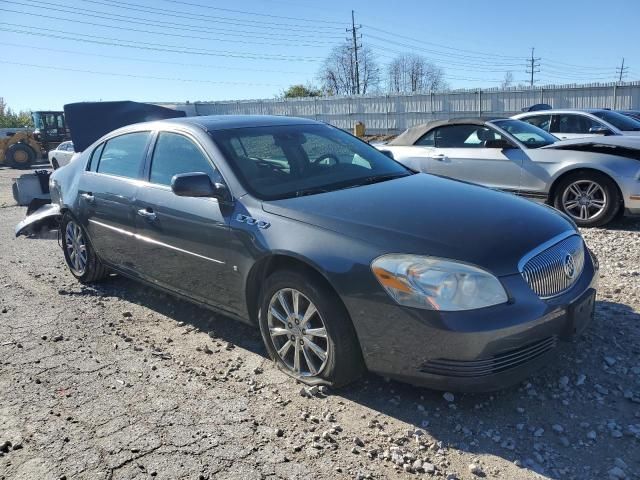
x,y
298,332
584,199
76,248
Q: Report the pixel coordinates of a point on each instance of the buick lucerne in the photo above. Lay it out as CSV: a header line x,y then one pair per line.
x,y
345,259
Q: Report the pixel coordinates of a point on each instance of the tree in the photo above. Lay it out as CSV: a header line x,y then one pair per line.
x,y
338,72
507,81
297,91
414,73
11,119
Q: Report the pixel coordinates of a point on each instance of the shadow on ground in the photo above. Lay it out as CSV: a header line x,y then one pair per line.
x,y
543,422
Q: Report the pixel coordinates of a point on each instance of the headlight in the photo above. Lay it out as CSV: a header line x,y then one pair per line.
x,y
437,284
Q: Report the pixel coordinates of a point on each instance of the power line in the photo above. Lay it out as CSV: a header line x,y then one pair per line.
x,y
147,60
199,5
128,6
194,37
158,23
533,66
64,35
146,77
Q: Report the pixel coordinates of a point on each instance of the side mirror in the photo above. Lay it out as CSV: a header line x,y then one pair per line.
x,y
198,184
600,130
500,143
388,153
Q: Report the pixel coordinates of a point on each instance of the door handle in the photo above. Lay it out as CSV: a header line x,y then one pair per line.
x,y
440,157
88,196
147,214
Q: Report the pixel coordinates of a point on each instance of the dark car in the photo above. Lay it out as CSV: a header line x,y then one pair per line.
x,y
344,258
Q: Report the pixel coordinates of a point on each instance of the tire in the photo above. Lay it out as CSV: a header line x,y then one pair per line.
x,y
20,155
343,363
89,268
601,204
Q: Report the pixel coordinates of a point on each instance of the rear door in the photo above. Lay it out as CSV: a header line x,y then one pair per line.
x,y
572,125
183,242
106,194
460,153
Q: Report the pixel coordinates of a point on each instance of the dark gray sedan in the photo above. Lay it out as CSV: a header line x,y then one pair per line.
x,y
344,258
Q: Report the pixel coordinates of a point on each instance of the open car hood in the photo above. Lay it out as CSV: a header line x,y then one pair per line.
x,y
88,121
621,145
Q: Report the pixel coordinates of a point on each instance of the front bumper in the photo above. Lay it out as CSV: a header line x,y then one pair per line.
x,y
477,350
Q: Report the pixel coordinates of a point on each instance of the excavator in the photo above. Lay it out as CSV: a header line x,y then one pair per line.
x,y
20,148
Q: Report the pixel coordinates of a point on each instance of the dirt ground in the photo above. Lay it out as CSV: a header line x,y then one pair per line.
x,y
117,381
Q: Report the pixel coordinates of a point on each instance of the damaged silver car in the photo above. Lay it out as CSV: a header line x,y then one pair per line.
x,y
592,180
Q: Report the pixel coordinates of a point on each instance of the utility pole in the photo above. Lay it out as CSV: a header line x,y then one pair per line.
x,y
534,65
622,71
356,68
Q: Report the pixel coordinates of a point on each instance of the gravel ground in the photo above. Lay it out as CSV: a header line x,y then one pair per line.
x,y
119,381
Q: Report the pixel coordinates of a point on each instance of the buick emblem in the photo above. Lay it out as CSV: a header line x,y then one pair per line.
x,y
569,266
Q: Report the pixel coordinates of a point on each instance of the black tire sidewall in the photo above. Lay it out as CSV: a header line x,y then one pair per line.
x,y
25,148
93,263
610,189
345,362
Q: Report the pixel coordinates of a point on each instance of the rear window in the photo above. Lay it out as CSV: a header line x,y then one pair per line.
x,y
123,155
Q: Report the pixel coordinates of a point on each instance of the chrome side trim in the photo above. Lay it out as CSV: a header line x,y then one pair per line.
x,y
544,246
154,242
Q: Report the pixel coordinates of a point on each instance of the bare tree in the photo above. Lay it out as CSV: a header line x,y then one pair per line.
x,y
414,73
338,72
507,81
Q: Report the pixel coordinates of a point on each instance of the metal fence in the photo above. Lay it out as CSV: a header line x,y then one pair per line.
x,y
394,113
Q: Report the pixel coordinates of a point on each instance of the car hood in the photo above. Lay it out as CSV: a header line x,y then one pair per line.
x,y
628,141
429,215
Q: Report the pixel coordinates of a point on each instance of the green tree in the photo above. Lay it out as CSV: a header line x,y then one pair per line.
x,y
11,119
297,91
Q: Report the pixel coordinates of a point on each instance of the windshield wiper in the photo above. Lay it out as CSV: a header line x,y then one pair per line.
x,y
309,191
382,178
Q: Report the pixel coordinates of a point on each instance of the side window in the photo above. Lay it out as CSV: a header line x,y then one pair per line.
x,y
427,140
463,136
123,155
95,157
174,154
540,121
570,123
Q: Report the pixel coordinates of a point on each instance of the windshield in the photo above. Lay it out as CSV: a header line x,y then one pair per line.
x,y
621,122
284,161
529,135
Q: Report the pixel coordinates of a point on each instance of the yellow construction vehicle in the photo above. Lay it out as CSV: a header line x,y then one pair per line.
x,y
20,148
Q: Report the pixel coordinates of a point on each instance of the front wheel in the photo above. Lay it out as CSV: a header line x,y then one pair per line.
x,y
78,252
307,330
591,199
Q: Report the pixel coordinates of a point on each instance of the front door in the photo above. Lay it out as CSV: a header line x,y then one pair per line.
x,y
183,241
461,152
106,195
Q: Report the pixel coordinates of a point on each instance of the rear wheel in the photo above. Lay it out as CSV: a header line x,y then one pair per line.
x,y
307,330
20,155
79,254
591,199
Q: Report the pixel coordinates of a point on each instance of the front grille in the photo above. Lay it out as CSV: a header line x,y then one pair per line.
x,y
496,364
555,269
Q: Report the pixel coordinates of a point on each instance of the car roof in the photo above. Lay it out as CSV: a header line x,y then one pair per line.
x,y
413,134
562,110
226,122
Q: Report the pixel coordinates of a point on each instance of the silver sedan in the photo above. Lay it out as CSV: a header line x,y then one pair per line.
x,y
590,179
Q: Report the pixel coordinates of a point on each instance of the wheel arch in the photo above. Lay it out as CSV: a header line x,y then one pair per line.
x,y
271,263
574,171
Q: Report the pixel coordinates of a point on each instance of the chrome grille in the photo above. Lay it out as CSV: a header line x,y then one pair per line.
x,y
548,272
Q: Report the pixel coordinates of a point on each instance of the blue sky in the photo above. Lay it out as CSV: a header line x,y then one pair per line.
x,y
61,51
